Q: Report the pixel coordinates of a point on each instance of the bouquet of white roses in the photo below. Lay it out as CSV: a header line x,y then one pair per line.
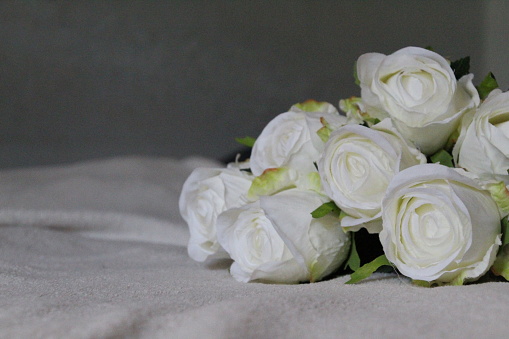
x,y
421,158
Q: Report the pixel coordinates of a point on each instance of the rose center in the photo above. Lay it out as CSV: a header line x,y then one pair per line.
x,y
257,244
414,87
431,222
289,140
355,165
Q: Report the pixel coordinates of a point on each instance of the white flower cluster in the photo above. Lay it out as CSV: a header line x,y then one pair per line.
x,y
435,223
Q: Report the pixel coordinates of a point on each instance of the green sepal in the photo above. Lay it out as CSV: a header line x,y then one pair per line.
x,y
342,214
247,141
271,181
311,105
368,269
372,121
324,209
354,261
488,84
312,182
443,157
500,194
324,133
422,283
459,280
461,67
352,107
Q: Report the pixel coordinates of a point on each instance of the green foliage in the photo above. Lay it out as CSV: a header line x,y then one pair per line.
x,y
372,121
488,84
247,141
324,209
453,138
461,67
501,265
354,261
368,269
505,231
442,157
355,75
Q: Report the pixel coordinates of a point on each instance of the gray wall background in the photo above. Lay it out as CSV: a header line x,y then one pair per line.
x,y
93,79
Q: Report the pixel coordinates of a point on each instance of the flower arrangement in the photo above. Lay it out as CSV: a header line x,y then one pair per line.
x,y
420,159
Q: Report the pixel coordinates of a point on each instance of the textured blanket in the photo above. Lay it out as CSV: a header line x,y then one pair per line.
x,y
98,250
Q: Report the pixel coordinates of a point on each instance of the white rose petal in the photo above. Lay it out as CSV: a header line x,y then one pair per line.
x,y
320,244
276,239
356,167
206,193
418,90
291,140
285,141
439,225
483,144
258,252
434,135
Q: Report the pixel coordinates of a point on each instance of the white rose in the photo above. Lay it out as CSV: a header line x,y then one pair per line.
x,y
439,226
276,240
483,144
418,90
356,167
291,140
206,193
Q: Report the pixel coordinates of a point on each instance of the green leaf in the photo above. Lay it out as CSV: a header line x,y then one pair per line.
x,y
442,157
247,141
354,262
501,265
355,75
367,269
461,67
324,209
505,231
488,84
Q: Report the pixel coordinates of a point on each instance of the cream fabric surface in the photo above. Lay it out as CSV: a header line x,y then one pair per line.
x,y
98,250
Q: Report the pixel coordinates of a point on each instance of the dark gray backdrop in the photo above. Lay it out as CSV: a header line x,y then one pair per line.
x,y
92,79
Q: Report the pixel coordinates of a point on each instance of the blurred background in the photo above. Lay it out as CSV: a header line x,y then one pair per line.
x,y
84,80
